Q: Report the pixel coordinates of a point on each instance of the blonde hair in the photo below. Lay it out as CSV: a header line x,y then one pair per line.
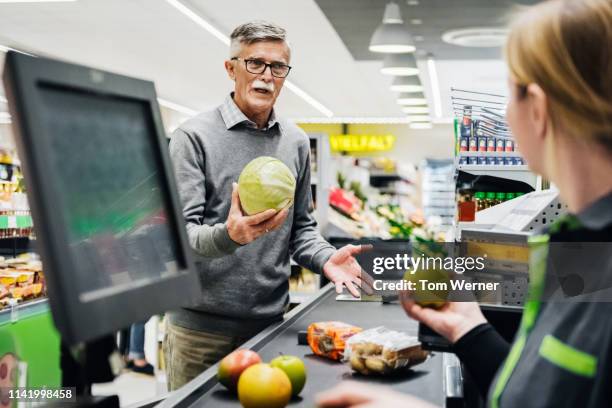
x,y
565,47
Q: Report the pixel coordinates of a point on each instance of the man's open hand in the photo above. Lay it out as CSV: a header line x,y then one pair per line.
x,y
343,269
243,229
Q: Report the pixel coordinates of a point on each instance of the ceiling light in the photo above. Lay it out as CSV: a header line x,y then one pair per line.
x,y
412,2
193,16
406,84
399,65
411,98
349,119
419,118
421,125
435,86
416,21
391,36
36,1
415,109
418,38
479,37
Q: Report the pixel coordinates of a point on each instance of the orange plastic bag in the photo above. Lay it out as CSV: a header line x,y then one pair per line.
x,y
328,339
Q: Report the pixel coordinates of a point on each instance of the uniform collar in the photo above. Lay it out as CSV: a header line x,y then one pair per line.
x,y
233,116
597,215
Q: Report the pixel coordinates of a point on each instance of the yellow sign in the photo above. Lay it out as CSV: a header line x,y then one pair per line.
x,y
361,143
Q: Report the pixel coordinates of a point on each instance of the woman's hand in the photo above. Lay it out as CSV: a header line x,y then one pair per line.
x,y
452,321
356,394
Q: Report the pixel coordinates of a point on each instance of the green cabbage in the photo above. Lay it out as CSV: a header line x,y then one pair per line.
x,y
265,183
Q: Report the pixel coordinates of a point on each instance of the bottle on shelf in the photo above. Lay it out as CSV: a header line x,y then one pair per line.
x,y
500,198
489,199
479,198
466,206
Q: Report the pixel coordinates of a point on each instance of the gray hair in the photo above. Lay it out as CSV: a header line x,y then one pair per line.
x,y
255,31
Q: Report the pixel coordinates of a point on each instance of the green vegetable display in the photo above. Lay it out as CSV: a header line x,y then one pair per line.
x,y
265,183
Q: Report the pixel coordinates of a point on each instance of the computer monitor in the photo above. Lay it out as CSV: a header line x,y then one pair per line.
x,y
102,192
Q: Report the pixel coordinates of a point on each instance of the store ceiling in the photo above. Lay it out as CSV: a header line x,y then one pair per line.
x,y
356,20
153,40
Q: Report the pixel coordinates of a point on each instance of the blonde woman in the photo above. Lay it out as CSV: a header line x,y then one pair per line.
x,y
559,55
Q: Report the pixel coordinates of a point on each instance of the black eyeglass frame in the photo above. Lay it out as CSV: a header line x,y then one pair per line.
x,y
266,65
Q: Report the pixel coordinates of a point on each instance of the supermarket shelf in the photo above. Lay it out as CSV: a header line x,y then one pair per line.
x,y
15,221
518,173
487,168
24,309
489,154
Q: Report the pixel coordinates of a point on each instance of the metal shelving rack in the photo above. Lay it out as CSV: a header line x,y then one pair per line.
x,y
489,110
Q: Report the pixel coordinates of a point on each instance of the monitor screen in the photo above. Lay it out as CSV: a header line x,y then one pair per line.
x,y
107,215
111,196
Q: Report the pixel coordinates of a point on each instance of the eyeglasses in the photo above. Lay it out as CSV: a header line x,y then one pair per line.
x,y
257,66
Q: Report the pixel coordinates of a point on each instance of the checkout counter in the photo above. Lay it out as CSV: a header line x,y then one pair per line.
x,y
437,380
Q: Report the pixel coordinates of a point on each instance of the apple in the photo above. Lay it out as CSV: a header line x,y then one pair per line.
x,y
434,299
232,366
264,386
295,370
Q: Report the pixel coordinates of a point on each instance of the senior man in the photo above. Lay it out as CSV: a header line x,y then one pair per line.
x,y
245,265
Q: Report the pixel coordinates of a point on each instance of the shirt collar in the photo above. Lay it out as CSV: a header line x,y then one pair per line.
x,y
597,215
233,116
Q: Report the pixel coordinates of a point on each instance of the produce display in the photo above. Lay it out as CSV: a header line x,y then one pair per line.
x,y
20,279
265,183
261,385
328,339
381,351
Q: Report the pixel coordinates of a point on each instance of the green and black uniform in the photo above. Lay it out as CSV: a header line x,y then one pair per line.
x,y
562,353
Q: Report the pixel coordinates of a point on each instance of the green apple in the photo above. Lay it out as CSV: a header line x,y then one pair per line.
x,y
295,370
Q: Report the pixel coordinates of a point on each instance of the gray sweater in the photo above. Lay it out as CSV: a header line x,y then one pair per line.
x,y
245,288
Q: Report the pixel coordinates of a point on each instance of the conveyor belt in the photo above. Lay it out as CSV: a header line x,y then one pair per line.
x,y
424,381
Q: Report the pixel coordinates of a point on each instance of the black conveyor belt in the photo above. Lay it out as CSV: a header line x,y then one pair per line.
x,y
424,381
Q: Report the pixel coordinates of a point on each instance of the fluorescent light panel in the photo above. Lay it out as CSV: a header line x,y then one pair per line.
x,y
392,48
419,118
407,84
421,125
400,71
415,109
226,40
353,119
411,98
399,65
435,87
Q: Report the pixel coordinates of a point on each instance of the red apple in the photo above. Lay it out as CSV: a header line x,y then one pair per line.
x,y
233,365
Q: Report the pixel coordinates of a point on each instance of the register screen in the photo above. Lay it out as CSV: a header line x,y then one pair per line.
x,y
113,201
